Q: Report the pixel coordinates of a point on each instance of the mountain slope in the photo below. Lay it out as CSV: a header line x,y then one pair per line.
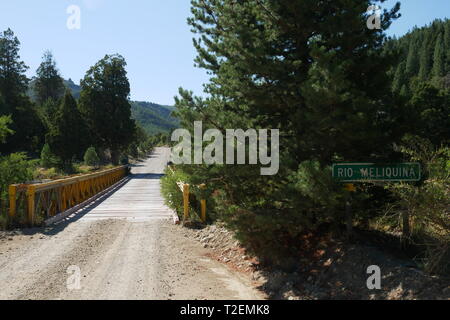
x,y
154,118
425,56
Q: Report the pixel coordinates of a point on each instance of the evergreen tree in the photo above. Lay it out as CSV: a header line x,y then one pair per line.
x,y
49,84
67,136
4,130
28,128
399,77
425,58
47,157
447,44
91,158
319,78
48,111
13,82
430,114
439,58
105,105
412,61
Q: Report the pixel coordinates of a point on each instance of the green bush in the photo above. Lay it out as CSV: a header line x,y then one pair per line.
x,y
171,192
91,158
427,204
271,224
48,159
5,121
14,168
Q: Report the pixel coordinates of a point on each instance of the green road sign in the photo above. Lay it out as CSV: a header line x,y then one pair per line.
x,y
371,172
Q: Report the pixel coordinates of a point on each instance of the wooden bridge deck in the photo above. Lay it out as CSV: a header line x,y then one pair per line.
x,y
140,198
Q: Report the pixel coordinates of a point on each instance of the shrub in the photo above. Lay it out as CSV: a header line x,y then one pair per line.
x,y
4,130
48,159
171,192
271,224
91,158
427,203
14,168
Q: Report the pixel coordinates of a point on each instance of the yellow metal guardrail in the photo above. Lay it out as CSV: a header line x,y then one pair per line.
x,y
185,189
50,199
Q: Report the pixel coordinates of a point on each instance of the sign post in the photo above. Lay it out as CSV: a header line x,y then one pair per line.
x,y
350,173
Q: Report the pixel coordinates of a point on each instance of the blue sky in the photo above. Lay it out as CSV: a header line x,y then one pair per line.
x,y
152,35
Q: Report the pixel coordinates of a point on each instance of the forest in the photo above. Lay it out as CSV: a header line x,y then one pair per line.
x,y
338,92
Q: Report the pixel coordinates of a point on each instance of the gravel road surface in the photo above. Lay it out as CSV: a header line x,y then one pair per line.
x,y
108,253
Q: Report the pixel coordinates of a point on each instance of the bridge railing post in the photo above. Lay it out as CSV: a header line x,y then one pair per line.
x,y
203,206
12,200
186,201
31,192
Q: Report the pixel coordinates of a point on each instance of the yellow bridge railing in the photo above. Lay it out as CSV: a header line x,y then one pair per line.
x,y
50,199
185,189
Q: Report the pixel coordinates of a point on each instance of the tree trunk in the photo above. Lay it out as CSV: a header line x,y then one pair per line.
x,y
406,234
114,157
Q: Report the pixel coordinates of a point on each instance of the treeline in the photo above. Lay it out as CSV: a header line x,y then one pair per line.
x,y
424,55
101,118
421,79
325,81
54,129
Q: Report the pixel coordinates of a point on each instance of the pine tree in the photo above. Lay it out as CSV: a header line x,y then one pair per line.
x,y
439,58
431,110
49,84
67,136
412,61
425,58
91,158
447,44
399,77
290,65
47,157
5,121
105,104
28,128
13,81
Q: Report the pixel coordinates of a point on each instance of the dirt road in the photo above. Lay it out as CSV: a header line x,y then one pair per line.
x,y
119,254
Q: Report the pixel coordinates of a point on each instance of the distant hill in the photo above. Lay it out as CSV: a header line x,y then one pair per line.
x,y
154,118
76,89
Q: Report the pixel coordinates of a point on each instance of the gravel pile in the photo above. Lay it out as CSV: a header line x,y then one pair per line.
x,y
225,248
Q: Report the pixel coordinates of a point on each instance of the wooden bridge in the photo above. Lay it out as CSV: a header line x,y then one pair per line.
x,y
109,194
